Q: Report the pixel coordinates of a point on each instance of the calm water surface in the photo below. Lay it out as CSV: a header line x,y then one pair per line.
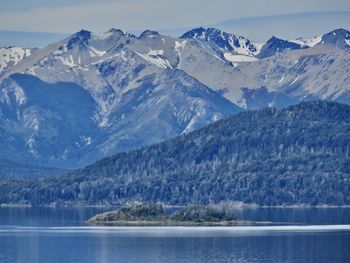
x,y
60,235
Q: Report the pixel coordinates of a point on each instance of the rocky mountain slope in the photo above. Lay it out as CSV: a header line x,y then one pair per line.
x,y
89,96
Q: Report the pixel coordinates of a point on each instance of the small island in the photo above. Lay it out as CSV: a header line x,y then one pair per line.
x,y
154,215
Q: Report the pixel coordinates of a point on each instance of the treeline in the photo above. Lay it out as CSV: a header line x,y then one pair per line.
x,y
297,155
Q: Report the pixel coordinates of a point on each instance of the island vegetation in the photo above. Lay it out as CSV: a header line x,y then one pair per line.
x,y
155,215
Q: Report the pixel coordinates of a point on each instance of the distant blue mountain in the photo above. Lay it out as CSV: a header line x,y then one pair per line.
x,y
148,33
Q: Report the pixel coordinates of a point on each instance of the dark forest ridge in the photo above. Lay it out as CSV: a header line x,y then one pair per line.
x,y
294,156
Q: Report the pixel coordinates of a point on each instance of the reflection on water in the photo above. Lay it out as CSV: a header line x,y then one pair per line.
x,y
59,235
46,216
169,231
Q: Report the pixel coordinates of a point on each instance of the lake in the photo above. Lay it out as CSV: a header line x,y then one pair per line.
x,y
60,235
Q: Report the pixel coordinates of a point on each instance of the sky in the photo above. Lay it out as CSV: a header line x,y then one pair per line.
x,y
256,19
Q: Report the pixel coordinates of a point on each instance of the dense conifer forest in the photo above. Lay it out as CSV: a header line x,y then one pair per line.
x,y
297,155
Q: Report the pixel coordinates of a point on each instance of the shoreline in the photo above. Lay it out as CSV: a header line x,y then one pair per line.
x,y
179,223
243,206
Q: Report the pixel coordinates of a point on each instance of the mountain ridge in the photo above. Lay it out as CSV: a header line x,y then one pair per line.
x,y
148,88
294,156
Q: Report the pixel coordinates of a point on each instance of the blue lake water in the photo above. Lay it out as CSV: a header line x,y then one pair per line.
x,y
60,235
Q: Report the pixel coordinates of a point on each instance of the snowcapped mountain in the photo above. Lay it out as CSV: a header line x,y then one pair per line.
x,y
281,72
338,37
222,40
320,72
306,43
92,95
89,96
232,48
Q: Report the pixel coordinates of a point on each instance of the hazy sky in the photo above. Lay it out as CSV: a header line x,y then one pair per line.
x,y
66,16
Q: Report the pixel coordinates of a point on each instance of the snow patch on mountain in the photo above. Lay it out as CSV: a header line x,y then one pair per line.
x,y
347,41
13,91
338,37
155,52
94,52
155,58
308,42
258,47
11,56
179,47
68,61
238,58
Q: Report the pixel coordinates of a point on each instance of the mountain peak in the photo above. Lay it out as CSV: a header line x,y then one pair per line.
x,y
116,31
273,39
339,37
340,31
83,36
206,33
276,45
196,33
222,40
149,33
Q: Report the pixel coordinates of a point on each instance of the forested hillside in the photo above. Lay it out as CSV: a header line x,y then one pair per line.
x,y
13,170
297,155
